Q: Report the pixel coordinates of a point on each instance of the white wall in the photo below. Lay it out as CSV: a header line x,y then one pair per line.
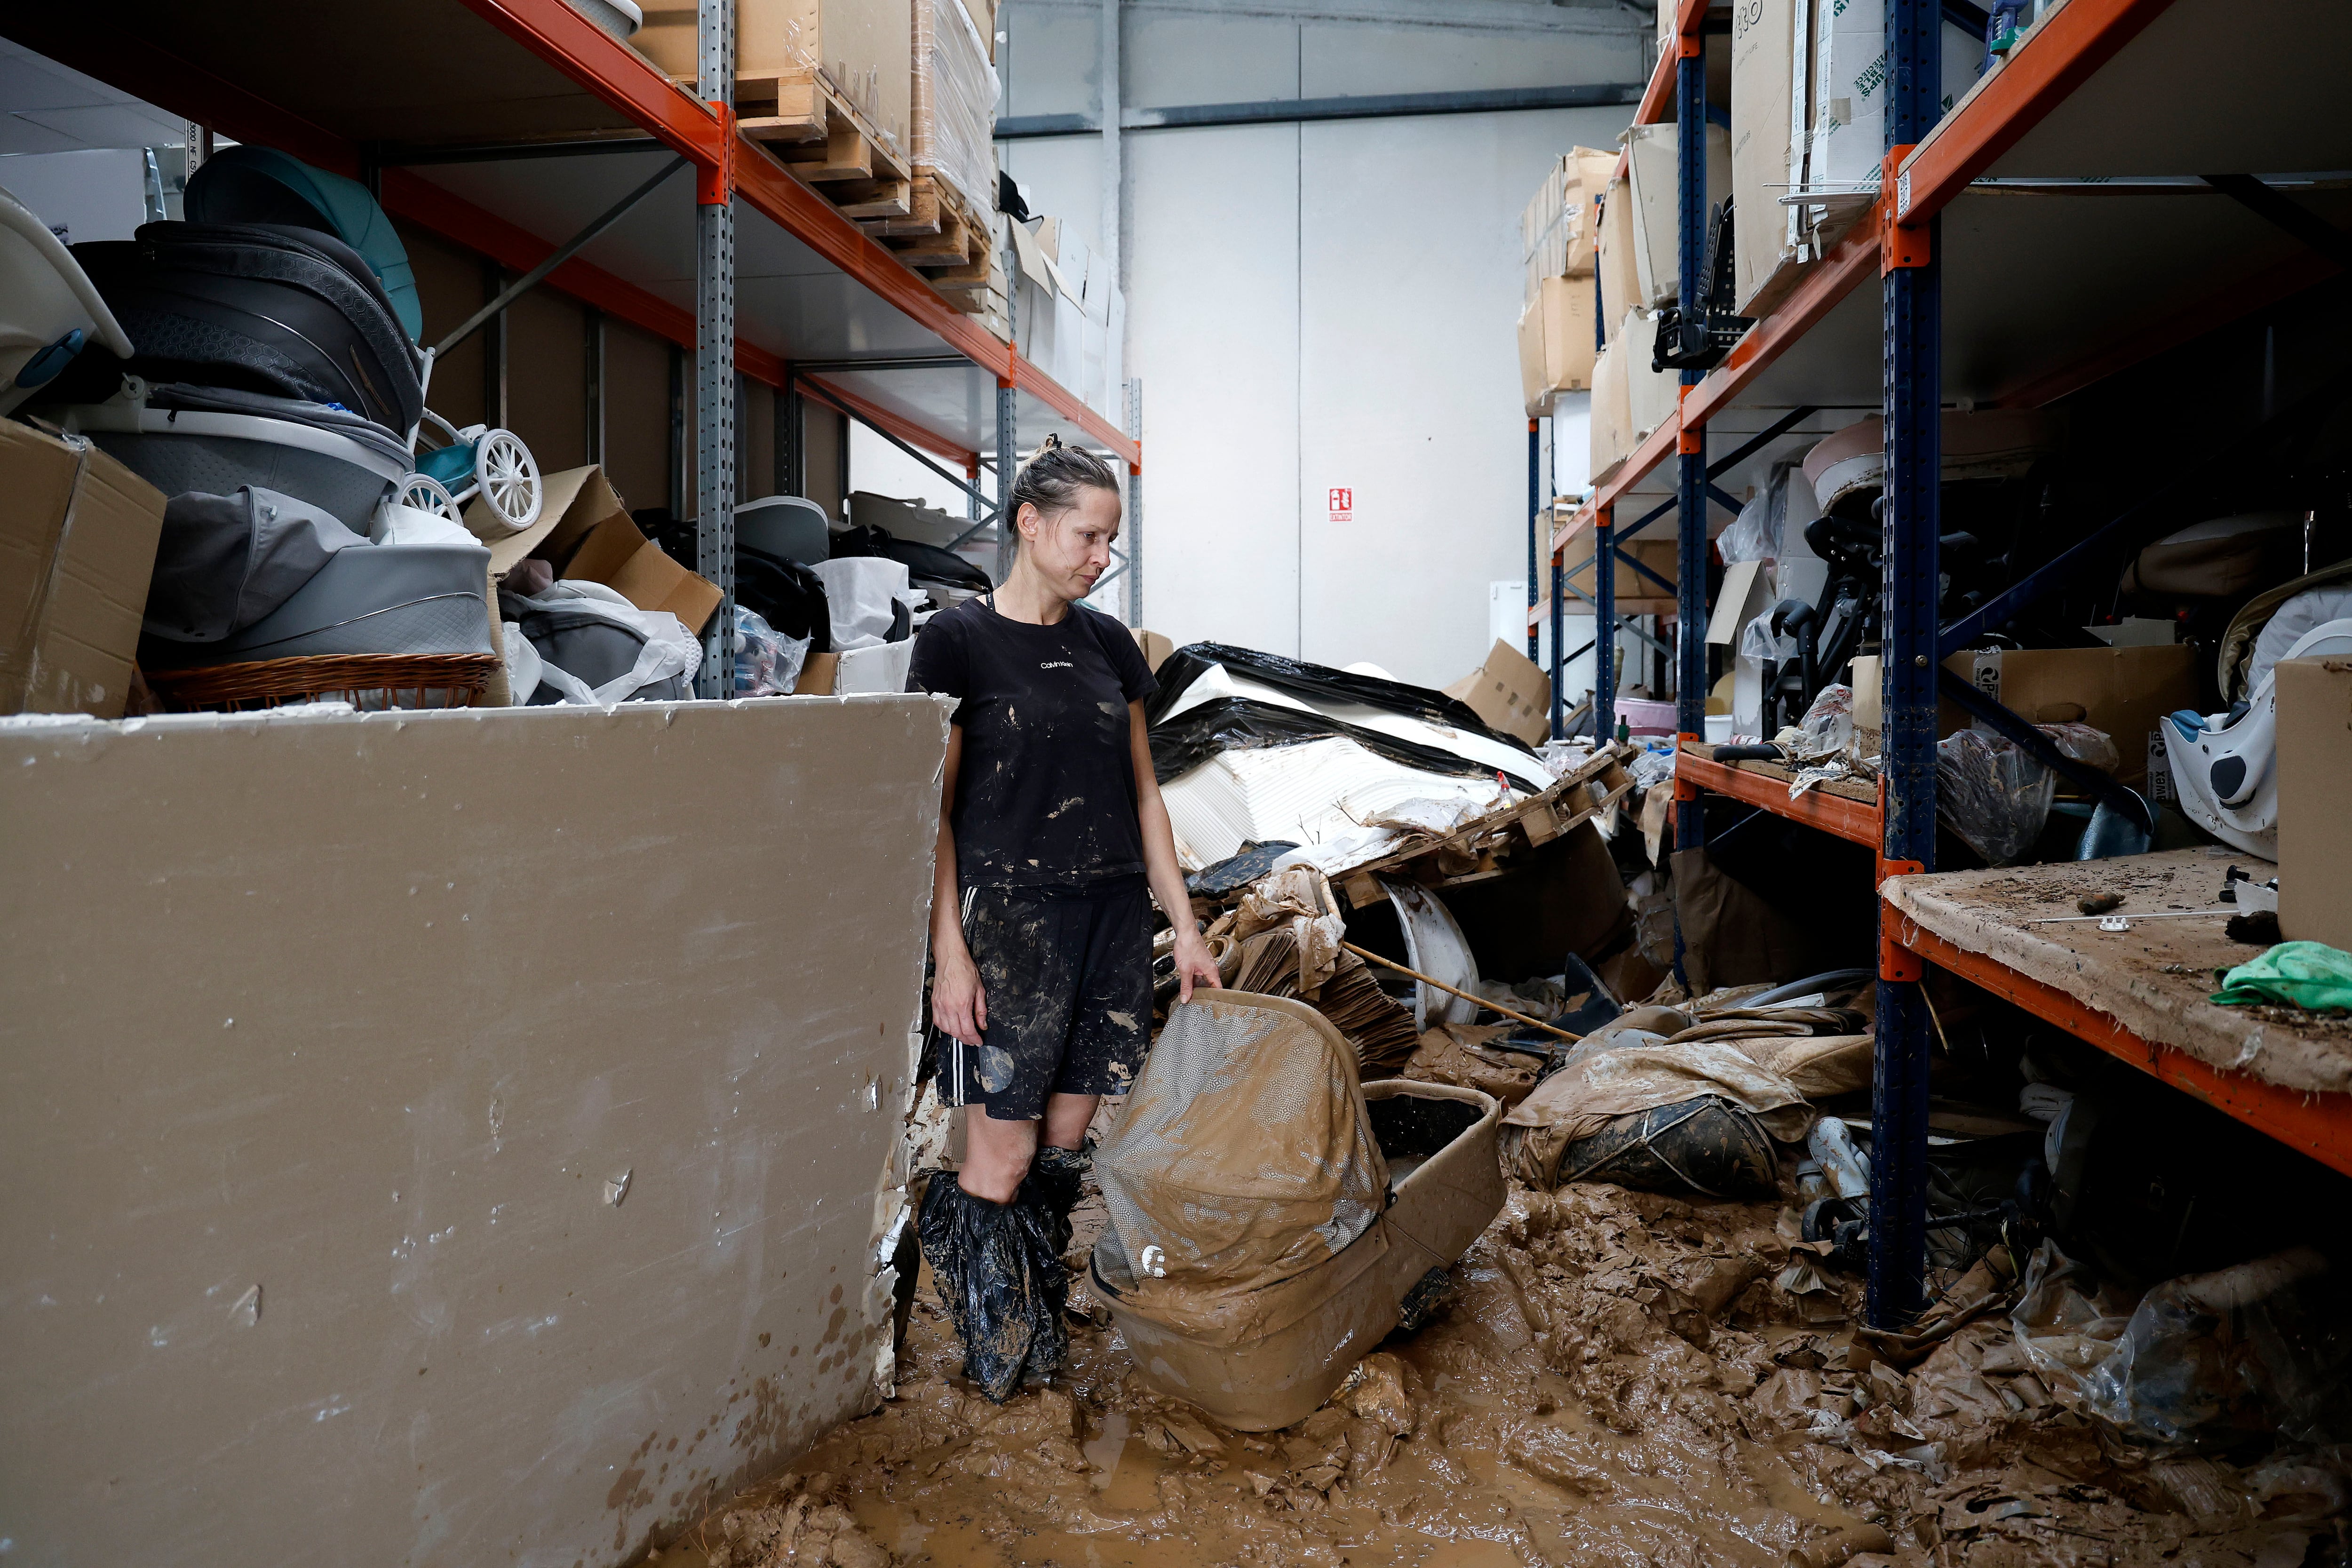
x,y
1321,306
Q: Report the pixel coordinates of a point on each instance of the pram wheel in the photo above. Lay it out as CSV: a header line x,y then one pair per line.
x,y
507,478
426,493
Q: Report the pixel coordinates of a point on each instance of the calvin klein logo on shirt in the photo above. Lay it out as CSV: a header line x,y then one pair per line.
x,y
1057,664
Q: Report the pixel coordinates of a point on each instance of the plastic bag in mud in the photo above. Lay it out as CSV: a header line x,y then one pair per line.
x,y
1997,798
1706,1145
2205,1360
1001,1277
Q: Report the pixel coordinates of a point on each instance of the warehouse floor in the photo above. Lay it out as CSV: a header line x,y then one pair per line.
x,y
1617,1380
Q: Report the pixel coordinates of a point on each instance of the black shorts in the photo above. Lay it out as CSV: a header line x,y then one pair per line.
x,y
1065,977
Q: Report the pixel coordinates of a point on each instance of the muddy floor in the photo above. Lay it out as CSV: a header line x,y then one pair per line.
x,y
1617,1380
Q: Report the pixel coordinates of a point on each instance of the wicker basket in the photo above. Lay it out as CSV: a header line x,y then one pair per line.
x,y
372,682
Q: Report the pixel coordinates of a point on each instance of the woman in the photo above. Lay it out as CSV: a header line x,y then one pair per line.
x,y
1054,842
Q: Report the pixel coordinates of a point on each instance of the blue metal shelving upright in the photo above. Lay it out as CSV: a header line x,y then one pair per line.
x,y
1690,486
1912,342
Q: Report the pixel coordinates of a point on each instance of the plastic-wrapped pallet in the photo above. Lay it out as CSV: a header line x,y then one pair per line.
x,y
954,104
1557,229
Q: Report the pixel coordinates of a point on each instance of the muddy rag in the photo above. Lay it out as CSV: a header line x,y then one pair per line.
x,y
2308,974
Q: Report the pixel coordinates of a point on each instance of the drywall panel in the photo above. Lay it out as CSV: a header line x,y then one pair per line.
x,y
636,414
1408,394
825,460
449,289
547,378
1213,330
755,437
1051,60
1173,59
446,1138
1352,58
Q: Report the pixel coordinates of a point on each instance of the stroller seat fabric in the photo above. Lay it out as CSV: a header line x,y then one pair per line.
x,y
225,561
404,599
595,647
291,313
247,183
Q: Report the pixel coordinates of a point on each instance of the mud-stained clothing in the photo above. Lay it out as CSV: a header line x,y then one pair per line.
x,y
1046,793
1066,977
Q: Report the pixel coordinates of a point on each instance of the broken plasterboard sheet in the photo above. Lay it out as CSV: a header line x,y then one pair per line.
x,y
1322,795
511,1086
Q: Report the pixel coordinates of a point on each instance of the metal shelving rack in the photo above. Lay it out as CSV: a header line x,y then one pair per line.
x,y
1998,302
498,123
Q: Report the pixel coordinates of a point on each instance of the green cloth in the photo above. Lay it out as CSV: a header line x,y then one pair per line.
x,y
2308,974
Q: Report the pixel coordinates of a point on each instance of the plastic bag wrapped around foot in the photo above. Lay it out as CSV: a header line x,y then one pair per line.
x,y
999,1278
1047,1195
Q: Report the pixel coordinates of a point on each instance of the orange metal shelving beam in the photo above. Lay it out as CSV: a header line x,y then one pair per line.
x,y
2319,1125
2069,43
1854,820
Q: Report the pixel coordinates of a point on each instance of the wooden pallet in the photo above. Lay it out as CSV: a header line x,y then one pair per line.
x,y
827,142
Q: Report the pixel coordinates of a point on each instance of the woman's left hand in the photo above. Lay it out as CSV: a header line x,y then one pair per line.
x,y
1194,963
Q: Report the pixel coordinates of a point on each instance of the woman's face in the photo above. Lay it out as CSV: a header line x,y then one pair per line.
x,y
1069,550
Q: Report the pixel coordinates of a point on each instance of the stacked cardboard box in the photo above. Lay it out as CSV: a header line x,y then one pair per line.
x,y
1630,400
1071,314
1557,319
1653,171
1808,115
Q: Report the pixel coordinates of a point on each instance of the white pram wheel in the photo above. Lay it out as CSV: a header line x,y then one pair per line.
x,y
426,493
507,478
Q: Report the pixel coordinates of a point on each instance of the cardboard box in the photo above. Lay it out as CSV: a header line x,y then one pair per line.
x,y
1847,143
1509,693
1651,396
1558,232
583,531
551,942
1156,648
1609,429
862,49
1557,344
77,536
818,673
2315,832
2123,691
1656,178
1770,50
1620,287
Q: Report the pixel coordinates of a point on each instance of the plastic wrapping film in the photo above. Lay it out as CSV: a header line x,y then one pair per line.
x,y
1201,731
955,91
1996,798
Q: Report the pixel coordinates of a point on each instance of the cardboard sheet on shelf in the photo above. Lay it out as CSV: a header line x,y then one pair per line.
x,y
2153,979
376,1078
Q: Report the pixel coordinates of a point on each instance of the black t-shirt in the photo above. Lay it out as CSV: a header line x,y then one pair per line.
x,y
1045,792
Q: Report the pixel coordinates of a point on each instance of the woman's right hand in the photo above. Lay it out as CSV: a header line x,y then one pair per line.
x,y
959,1006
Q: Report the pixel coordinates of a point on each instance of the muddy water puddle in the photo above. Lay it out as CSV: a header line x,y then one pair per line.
x,y
1616,1380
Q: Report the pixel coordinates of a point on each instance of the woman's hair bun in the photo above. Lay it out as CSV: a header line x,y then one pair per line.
x,y
1055,474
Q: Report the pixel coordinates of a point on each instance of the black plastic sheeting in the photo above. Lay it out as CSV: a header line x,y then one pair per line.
x,y
1236,723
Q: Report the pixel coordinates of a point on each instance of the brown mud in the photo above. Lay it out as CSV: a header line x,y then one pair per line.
x,y
1616,1380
